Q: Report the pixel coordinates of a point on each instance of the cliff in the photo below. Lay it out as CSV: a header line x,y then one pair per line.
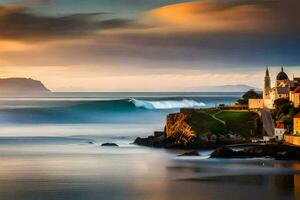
x,y
22,85
197,128
191,126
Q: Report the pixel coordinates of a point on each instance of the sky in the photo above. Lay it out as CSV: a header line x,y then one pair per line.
x,y
148,45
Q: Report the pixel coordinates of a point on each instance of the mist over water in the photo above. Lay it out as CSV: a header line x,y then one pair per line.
x,y
50,148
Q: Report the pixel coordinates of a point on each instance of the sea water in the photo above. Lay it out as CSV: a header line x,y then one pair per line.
x,y
50,148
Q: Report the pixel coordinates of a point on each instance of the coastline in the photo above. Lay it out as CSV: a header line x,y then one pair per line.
x,y
209,128
184,131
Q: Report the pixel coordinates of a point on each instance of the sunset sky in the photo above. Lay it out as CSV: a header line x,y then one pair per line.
x,y
147,45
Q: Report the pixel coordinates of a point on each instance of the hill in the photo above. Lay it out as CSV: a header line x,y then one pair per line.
x,y
205,128
22,85
247,124
225,88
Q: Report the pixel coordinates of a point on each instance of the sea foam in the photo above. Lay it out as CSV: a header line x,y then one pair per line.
x,y
171,104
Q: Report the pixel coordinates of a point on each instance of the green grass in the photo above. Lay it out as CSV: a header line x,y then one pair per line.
x,y
203,123
212,111
241,122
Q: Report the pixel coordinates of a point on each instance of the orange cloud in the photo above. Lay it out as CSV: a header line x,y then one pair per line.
x,y
9,9
222,16
10,45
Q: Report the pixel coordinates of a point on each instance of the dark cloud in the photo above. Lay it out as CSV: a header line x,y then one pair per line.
x,y
219,48
275,41
17,23
34,2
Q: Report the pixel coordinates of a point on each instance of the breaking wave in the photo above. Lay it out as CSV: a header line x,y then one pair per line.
x,y
98,111
168,104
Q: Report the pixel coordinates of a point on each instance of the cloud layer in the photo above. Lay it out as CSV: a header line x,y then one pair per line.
x,y
232,16
199,36
18,23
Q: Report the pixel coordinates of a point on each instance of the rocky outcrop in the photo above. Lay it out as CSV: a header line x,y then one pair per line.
x,y
178,129
276,151
191,129
109,145
151,141
196,128
190,153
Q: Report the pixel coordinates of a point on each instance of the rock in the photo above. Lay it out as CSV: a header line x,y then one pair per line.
x,y
91,142
150,141
158,133
190,153
138,141
279,152
203,138
213,138
109,145
191,129
287,155
179,129
222,152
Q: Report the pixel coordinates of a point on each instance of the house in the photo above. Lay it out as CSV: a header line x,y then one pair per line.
x,y
295,96
279,131
296,130
256,104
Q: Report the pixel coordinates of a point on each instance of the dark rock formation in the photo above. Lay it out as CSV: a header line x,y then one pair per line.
x,y
191,129
151,141
276,151
190,153
223,152
109,145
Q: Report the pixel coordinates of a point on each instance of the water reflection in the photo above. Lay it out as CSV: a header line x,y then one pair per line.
x,y
74,171
65,166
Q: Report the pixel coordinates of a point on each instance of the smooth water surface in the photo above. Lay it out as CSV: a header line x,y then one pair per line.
x,y
50,149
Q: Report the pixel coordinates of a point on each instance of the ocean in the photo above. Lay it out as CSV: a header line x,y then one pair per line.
x,y
50,149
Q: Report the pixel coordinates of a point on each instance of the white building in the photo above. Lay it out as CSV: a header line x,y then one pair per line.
x,y
279,131
270,94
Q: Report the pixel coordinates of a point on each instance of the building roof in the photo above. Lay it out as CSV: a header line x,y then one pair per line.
x,y
267,72
280,125
297,79
297,116
282,75
297,89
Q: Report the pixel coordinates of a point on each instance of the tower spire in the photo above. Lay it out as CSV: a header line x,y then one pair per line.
x,y
267,85
267,71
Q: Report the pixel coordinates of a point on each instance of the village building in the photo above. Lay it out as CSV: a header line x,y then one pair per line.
x,y
283,88
279,131
255,104
297,124
295,96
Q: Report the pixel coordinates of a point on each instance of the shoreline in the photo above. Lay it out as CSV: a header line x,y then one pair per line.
x,y
221,131
196,128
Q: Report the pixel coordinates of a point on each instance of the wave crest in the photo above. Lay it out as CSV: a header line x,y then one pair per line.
x,y
155,105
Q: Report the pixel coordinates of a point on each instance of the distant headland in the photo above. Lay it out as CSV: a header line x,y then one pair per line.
x,y
21,86
225,88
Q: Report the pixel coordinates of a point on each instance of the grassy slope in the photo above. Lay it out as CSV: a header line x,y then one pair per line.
x,y
203,122
241,122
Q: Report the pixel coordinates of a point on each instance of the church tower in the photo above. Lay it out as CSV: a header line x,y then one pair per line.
x,y
267,85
